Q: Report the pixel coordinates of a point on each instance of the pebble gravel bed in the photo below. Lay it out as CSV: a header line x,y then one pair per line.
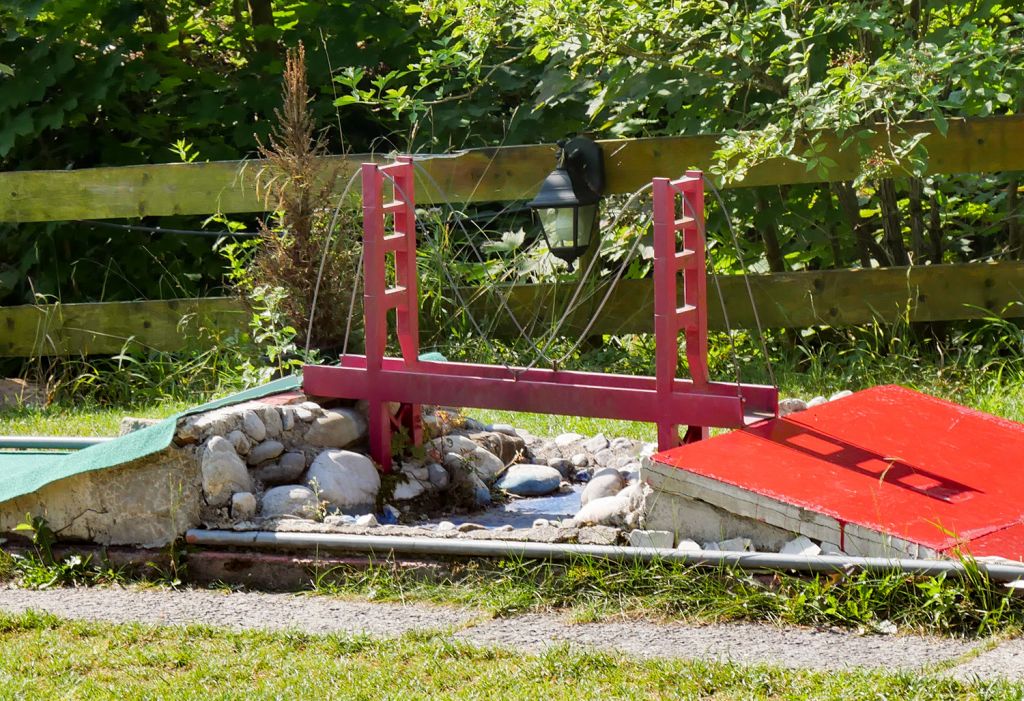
x,y
792,647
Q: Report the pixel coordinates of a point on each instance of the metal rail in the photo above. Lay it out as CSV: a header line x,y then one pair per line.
x,y
447,547
49,442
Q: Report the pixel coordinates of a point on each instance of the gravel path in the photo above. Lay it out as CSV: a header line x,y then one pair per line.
x,y
746,643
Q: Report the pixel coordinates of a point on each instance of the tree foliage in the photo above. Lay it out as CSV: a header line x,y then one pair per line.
x,y
124,81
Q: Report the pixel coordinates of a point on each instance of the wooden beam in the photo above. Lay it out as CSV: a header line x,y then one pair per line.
x,y
784,300
474,175
106,328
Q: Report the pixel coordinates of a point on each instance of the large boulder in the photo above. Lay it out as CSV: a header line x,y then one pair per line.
x,y
347,480
457,449
286,470
466,486
508,448
624,510
605,483
337,428
289,500
530,480
408,487
262,452
223,472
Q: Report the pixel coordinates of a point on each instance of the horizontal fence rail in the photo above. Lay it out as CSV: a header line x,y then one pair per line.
x,y
475,175
784,300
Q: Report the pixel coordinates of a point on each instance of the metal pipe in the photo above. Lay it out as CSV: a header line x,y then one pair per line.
x,y
383,545
50,442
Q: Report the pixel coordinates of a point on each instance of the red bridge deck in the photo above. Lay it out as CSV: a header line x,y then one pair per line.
x,y
884,464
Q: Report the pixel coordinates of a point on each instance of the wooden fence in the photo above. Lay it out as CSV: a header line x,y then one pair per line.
x,y
835,297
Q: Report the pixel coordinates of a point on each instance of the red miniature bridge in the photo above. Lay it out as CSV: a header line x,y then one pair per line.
x,y
665,400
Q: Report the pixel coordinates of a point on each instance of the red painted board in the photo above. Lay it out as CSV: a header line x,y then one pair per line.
x,y
888,458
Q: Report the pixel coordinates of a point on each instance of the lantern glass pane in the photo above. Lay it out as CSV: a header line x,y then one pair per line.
x,y
587,218
558,224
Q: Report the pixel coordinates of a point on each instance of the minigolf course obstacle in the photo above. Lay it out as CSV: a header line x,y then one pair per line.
x,y
886,471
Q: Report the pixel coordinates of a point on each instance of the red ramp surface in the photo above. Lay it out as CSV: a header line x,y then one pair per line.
x,y
886,462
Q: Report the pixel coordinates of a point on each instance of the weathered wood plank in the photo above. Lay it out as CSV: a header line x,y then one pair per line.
x,y
790,300
487,174
786,300
106,328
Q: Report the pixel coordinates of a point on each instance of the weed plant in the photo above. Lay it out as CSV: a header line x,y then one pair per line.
x,y
592,589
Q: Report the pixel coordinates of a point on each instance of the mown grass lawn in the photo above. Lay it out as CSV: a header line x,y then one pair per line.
x,y
45,658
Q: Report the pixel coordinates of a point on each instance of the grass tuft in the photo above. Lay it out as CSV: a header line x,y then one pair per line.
x,y
590,590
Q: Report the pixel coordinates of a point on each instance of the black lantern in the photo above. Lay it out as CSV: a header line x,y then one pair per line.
x,y
567,203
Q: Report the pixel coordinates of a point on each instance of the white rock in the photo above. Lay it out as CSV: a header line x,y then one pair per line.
x,y
312,407
337,428
801,545
243,506
467,527
408,488
289,500
451,444
218,422
621,443
831,549
420,472
287,470
240,442
651,539
563,466
287,418
466,479
345,479
841,394
631,474
439,476
622,510
507,429
367,520
605,483
648,449
272,421
294,460
688,546
253,425
580,460
446,526
736,545
817,401
303,414
458,450
567,439
710,545
223,472
267,450
604,458
595,444
541,523
340,520
791,406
